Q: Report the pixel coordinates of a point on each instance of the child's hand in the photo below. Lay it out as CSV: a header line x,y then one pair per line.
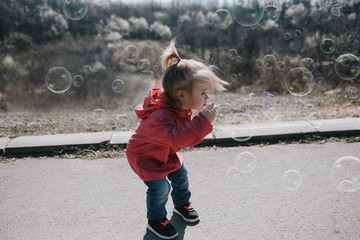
x,y
210,112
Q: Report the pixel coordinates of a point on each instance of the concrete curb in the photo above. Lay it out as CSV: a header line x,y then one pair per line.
x,y
264,132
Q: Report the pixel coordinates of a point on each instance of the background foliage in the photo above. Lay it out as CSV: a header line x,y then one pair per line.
x,y
36,36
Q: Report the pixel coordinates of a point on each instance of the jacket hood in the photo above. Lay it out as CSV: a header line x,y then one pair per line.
x,y
157,99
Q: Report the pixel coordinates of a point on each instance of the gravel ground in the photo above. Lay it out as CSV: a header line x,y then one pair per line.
x,y
16,123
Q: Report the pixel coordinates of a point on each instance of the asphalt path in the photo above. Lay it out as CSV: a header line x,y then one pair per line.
x,y
54,198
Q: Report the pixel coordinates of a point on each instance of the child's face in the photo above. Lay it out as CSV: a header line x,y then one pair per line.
x,y
197,100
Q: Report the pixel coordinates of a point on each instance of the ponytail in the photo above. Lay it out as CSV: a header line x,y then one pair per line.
x,y
168,54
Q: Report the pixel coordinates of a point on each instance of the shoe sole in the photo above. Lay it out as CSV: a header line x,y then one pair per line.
x,y
189,220
159,235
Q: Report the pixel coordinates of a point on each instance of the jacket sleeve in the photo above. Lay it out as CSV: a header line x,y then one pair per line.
x,y
165,132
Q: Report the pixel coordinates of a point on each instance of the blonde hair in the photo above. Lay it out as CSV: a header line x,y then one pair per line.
x,y
185,72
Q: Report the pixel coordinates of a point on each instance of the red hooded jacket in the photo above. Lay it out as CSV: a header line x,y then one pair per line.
x,y
153,150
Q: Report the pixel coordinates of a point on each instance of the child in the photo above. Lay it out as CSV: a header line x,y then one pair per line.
x,y
165,128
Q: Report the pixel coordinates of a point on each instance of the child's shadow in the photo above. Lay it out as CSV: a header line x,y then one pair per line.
x,y
178,223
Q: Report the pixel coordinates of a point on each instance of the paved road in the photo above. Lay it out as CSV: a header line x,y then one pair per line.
x,y
51,198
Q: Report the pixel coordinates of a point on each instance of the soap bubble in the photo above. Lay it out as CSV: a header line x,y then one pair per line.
x,y
287,36
308,63
78,80
347,66
87,69
321,81
267,98
247,13
244,129
222,19
122,120
271,12
353,92
280,65
237,59
144,65
327,46
336,10
246,93
345,174
131,52
232,53
234,77
232,173
259,63
271,113
118,85
75,9
297,33
291,180
299,81
58,80
269,61
315,119
245,162
99,116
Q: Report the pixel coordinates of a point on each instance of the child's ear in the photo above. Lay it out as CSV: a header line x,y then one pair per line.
x,y
180,95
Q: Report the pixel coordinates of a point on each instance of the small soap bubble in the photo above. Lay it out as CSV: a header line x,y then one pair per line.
x,y
99,116
271,113
267,99
131,52
291,180
308,63
345,174
259,63
232,173
269,61
118,85
87,69
144,65
336,10
122,120
299,82
247,13
271,12
58,80
234,77
353,92
238,59
232,53
327,46
222,19
321,81
315,119
246,93
280,65
347,66
287,36
78,80
75,9
297,33
245,162
244,128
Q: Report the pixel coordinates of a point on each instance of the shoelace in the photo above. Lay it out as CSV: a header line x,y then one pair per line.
x,y
166,222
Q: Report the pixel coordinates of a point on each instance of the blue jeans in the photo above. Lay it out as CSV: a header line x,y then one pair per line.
x,y
158,192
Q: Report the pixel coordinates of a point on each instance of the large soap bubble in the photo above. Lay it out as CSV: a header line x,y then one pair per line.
x,y
299,81
58,80
222,19
327,46
247,13
75,9
345,174
347,66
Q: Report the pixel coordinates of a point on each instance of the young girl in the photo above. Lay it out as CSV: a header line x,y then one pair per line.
x,y
165,128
